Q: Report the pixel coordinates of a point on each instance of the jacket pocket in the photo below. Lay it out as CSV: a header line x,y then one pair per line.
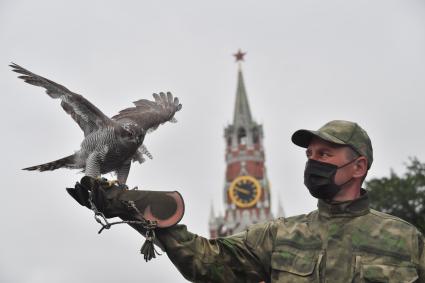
x,y
295,267
378,273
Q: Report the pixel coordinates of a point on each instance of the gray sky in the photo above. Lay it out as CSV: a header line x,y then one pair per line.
x,y
307,62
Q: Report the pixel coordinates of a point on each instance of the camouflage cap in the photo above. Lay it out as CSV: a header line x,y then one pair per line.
x,y
339,132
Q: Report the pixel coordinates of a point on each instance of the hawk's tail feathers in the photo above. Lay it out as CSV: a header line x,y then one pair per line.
x,y
66,162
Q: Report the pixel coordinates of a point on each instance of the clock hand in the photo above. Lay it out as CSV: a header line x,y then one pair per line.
x,y
242,190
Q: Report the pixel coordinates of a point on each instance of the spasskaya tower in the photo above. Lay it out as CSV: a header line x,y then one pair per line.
x,y
246,191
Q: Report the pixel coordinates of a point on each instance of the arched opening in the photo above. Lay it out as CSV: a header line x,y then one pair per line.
x,y
255,136
229,141
242,136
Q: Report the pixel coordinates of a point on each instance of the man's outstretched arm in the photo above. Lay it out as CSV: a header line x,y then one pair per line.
x,y
244,257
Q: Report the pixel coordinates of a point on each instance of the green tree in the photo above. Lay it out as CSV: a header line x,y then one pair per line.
x,y
402,196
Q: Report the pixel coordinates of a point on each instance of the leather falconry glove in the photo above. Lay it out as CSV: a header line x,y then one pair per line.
x,y
143,210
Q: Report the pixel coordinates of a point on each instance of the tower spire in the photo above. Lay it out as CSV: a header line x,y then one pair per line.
x,y
280,211
242,114
212,214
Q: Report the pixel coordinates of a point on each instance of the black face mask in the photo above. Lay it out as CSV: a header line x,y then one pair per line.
x,y
319,178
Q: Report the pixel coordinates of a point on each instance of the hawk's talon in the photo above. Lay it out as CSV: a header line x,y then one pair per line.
x,y
112,183
123,187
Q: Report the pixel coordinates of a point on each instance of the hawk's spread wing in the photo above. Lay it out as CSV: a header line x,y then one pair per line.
x,y
87,116
148,114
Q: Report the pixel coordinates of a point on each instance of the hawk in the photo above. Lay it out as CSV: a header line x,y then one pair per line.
x,y
109,144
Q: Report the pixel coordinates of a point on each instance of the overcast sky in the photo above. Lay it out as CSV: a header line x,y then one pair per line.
x,y
307,62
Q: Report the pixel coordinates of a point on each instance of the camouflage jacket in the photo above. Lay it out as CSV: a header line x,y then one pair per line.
x,y
344,242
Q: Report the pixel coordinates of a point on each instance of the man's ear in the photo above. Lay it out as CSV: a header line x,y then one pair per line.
x,y
360,167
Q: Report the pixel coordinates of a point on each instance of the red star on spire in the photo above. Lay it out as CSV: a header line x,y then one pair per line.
x,y
239,56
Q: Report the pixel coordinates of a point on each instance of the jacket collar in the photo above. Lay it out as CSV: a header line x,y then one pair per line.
x,y
352,208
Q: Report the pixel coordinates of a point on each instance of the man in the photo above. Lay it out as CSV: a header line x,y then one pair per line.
x,y
343,241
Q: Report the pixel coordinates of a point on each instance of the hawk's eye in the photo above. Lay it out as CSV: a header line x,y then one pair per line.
x,y
128,133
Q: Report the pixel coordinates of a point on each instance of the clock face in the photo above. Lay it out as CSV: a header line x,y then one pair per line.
x,y
245,191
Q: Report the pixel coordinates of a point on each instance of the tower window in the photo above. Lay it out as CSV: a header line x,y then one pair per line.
x,y
242,136
256,139
229,141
